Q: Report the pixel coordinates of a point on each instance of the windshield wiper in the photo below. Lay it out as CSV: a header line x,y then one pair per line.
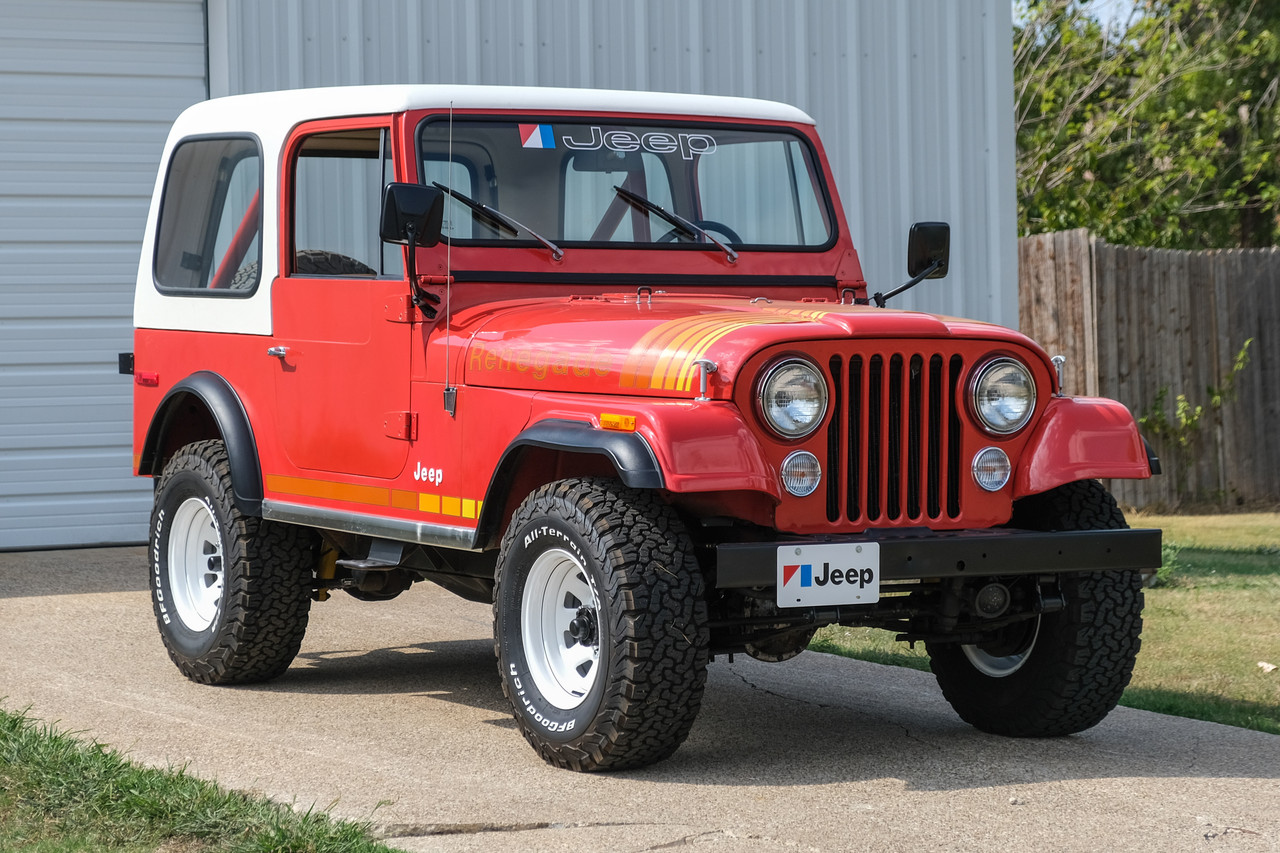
x,y
681,224
499,221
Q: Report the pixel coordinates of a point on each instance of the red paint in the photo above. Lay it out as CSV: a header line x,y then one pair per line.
x,y
353,413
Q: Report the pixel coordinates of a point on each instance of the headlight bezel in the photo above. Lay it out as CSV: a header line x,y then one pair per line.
x,y
773,372
982,376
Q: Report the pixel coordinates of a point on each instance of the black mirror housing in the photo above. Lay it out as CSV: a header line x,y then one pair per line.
x,y
927,244
412,210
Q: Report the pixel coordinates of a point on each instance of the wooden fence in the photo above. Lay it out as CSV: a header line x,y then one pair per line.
x,y
1143,326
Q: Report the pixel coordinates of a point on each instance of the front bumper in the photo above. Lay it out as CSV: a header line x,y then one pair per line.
x,y
915,554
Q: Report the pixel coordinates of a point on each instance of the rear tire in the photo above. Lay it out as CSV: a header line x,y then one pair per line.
x,y
600,625
230,592
1062,672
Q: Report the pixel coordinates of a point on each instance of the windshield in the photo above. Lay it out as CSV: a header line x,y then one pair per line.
x,y
587,182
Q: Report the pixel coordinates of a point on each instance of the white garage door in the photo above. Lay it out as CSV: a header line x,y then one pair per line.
x,y
88,89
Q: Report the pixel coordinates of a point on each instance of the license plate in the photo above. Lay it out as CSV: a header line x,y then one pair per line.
x,y
811,575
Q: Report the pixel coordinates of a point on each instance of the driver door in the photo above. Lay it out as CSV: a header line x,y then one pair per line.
x,y
342,346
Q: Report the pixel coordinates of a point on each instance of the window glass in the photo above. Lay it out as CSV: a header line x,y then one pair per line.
x,y
211,217
594,211
455,175
776,205
338,181
591,182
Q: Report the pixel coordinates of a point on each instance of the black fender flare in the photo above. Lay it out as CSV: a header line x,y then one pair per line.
x,y
232,422
630,455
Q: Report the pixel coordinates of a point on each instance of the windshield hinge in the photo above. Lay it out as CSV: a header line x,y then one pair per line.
x,y
401,425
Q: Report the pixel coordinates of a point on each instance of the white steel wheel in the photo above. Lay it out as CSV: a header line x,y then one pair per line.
x,y
560,628
1003,661
230,592
195,564
600,625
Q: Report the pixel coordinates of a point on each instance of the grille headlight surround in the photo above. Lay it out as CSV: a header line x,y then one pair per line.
x,y
793,398
1003,396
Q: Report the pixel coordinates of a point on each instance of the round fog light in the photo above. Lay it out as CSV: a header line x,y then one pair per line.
x,y
991,469
801,473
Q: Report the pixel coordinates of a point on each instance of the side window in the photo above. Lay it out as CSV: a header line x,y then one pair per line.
x,y
338,181
211,217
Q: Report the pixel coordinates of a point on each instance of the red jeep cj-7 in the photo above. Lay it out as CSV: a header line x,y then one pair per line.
x,y
606,360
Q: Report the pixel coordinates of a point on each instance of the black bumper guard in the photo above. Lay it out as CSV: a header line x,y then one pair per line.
x,y
914,554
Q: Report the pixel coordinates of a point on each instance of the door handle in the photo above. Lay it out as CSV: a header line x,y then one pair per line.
x,y
278,352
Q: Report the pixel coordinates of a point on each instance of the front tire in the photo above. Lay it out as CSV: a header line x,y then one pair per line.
x,y
600,625
1062,672
230,592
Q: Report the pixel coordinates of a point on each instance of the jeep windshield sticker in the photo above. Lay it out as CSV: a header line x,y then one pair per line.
x,y
594,138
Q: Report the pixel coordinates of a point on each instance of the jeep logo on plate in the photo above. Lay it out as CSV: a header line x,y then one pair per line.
x,y
828,574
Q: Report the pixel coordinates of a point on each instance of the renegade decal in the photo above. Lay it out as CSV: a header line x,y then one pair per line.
x,y
537,363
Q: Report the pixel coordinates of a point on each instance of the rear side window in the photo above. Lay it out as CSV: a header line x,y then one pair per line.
x,y
209,241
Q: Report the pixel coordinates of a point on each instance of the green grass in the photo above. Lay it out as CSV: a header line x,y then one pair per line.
x,y
1246,531
1206,627
61,795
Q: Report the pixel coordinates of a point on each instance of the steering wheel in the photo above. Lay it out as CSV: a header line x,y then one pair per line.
x,y
706,225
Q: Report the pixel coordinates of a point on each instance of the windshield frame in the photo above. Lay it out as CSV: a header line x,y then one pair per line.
x,y
812,161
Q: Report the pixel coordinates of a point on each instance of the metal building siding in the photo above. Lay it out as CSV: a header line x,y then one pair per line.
x,y
914,98
87,91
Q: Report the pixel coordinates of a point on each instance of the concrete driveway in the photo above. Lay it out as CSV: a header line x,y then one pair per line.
x,y
393,714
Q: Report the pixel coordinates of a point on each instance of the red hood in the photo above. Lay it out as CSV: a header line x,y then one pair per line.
x,y
616,344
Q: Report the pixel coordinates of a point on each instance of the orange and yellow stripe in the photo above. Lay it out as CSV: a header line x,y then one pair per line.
x,y
448,505
664,358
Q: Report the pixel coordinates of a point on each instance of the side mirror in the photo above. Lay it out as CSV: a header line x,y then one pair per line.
x,y
929,243
412,213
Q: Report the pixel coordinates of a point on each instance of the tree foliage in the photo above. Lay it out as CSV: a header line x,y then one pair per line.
x,y
1158,130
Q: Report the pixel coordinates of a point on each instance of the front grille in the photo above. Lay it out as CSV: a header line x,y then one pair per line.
x,y
893,444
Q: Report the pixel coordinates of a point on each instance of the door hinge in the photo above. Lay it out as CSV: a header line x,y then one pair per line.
x,y
402,425
400,309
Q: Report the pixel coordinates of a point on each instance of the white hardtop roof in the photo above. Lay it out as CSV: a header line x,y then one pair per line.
x,y
266,112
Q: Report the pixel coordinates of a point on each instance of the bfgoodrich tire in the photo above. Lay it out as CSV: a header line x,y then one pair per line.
x,y
600,625
1063,672
230,592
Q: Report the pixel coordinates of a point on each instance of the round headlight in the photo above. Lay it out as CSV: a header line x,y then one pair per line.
x,y
793,398
1004,396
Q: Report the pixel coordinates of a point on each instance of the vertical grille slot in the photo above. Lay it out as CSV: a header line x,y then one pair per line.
x,y
875,435
953,440
914,439
893,459
894,438
853,507
935,436
836,366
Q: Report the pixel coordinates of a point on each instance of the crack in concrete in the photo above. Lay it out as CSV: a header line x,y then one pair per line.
x,y
906,732
743,678
425,830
